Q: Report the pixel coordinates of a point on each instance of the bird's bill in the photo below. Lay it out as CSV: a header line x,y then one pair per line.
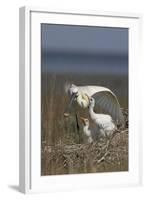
x,y
83,120
66,113
88,99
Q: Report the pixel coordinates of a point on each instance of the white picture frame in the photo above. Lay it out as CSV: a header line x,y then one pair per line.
x,y
30,178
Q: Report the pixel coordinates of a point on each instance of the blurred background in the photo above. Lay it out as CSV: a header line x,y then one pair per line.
x,y
87,55
83,55
82,49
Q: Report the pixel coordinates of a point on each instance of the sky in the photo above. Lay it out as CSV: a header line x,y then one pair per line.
x,y
84,49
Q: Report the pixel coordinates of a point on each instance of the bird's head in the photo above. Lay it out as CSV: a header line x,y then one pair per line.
x,y
73,92
91,102
84,121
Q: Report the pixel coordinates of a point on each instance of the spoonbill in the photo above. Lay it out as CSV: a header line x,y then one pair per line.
x,y
87,132
103,121
104,98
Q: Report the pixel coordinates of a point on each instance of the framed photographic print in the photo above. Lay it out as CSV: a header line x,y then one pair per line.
x,y
79,114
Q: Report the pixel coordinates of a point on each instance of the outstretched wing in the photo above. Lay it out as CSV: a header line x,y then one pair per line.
x,y
108,102
105,99
90,90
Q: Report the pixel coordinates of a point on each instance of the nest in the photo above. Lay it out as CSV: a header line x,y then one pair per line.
x,y
105,155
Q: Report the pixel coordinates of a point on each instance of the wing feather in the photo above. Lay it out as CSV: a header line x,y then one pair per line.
x,y
108,103
104,102
105,99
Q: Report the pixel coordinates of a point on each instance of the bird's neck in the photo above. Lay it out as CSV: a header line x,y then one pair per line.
x,y
91,110
92,113
87,131
85,128
79,97
82,100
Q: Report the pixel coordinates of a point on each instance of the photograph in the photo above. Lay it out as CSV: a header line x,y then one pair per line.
x,y
84,99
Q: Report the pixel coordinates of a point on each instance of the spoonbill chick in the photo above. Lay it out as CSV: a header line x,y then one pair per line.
x,y
104,97
87,132
103,121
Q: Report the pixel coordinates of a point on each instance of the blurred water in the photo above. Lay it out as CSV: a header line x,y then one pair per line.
x,y
64,62
82,49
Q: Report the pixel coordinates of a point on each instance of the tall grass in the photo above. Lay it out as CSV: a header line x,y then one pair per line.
x,y
59,131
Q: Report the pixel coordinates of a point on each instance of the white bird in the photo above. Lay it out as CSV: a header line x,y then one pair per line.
x,y
87,132
93,133
104,98
103,121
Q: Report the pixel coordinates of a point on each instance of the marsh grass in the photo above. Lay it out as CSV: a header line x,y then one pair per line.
x,y
63,150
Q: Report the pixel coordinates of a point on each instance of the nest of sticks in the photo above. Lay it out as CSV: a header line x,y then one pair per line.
x,y
106,155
